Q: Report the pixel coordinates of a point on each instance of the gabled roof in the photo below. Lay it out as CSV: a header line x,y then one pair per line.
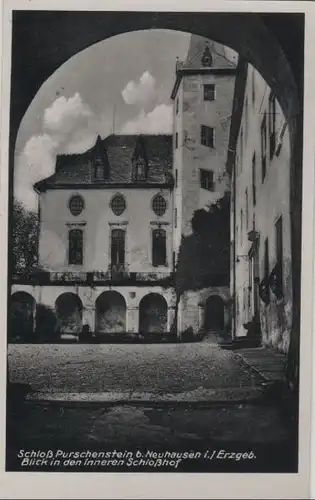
x,y
116,154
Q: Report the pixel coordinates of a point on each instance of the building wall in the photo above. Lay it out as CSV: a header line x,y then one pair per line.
x,y
192,308
191,155
272,202
98,219
47,296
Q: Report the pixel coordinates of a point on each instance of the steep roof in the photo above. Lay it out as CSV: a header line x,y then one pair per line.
x,y
115,154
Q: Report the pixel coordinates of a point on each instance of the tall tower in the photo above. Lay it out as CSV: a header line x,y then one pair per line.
x,y
202,96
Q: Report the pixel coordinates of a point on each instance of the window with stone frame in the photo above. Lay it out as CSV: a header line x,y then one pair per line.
x,y
207,136
158,247
209,92
118,237
75,247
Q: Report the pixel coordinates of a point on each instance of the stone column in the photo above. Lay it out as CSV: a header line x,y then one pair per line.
x,y
88,317
226,315
132,319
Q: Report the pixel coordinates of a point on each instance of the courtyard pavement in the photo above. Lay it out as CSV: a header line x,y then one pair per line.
x,y
130,369
154,397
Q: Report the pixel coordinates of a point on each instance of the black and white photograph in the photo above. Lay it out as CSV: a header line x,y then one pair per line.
x,y
154,229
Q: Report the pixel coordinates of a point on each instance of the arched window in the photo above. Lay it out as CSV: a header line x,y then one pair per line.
x,y
139,167
158,247
76,246
76,205
117,247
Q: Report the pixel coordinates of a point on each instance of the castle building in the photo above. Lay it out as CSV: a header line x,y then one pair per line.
x,y
106,237
115,221
202,97
259,163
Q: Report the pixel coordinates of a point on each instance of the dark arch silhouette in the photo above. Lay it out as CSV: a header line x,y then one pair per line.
x,y
214,313
22,316
153,314
68,307
110,314
257,36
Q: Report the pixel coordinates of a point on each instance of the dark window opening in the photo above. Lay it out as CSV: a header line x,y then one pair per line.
x,y
176,177
177,106
272,125
254,178
209,92
117,247
75,256
175,217
253,86
263,139
176,140
279,254
158,247
207,179
266,259
207,136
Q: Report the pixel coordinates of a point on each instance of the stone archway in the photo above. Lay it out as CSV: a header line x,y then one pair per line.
x,y
213,313
22,312
68,307
153,311
110,313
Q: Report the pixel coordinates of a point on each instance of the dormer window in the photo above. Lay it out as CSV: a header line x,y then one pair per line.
x,y
207,57
139,169
98,170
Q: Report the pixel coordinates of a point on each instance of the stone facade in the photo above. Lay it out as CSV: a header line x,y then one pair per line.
x,y
261,270
202,96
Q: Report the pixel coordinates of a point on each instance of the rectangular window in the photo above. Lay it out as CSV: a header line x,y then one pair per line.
x,y
206,179
209,92
176,140
207,136
241,152
177,106
263,141
272,125
254,178
139,169
266,259
246,119
99,171
75,256
118,247
253,86
246,207
279,253
158,247
176,177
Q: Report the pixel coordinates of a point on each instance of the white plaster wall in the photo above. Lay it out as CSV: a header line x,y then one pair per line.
x,y
138,220
272,201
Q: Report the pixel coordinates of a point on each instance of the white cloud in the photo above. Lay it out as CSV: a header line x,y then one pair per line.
x,y
143,92
69,126
65,114
158,121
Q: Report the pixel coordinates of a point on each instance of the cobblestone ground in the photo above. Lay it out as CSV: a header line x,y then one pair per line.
x,y
233,426
157,368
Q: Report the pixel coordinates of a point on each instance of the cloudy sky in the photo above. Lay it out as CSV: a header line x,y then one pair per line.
x,y
123,83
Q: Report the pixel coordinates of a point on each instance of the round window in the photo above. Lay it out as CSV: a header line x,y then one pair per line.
x,y
118,204
76,205
159,205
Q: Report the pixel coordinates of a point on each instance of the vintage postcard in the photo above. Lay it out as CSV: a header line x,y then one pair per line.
x,y
157,260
